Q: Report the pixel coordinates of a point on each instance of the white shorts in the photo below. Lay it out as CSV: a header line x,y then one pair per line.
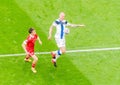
x,y
60,42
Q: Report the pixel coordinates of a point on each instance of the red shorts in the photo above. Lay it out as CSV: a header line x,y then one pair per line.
x,y
30,51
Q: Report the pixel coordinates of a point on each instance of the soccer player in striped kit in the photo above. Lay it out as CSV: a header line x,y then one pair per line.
x,y
60,25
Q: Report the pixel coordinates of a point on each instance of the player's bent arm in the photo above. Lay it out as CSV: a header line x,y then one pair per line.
x,y
50,32
39,40
24,46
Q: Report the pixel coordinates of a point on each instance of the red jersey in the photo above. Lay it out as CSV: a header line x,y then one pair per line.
x,y
30,42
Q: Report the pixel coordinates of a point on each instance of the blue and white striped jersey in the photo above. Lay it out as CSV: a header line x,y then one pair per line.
x,y
60,28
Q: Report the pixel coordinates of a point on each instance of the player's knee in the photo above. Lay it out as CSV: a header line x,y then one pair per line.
x,y
63,51
35,58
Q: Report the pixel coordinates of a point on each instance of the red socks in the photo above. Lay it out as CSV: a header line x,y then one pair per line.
x,y
33,65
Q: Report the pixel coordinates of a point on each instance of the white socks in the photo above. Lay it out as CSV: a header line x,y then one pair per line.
x,y
58,53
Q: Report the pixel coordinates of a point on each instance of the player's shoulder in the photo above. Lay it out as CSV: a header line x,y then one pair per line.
x,y
57,21
28,37
32,36
36,35
65,21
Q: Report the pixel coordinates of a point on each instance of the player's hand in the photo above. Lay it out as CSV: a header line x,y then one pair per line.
x,y
40,42
82,25
49,37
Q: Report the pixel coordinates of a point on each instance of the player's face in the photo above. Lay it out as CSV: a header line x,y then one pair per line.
x,y
62,16
33,32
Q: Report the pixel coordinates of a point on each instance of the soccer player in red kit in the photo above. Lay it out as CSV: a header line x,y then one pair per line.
x,y
28,46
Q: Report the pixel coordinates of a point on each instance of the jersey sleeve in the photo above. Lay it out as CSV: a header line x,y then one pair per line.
x,y
36,36
54,23
27,40
67,23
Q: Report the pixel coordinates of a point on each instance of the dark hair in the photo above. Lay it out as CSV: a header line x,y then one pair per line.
x,y
30,30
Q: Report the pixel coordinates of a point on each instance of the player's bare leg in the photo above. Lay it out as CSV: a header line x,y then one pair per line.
x,y
54,58
63,49
56,55
60,52
35,59
27,58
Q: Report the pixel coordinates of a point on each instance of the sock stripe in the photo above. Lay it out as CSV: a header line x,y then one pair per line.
x,y
33,65
59,52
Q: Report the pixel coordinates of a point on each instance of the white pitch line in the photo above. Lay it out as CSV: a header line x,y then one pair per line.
x,y
69,51
21,54
92,50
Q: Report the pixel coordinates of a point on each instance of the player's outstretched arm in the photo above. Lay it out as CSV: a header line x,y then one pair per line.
x,y
50,32
77,25
24,47
39,40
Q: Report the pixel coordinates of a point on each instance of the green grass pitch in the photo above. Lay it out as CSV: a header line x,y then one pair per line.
x,y
101,18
